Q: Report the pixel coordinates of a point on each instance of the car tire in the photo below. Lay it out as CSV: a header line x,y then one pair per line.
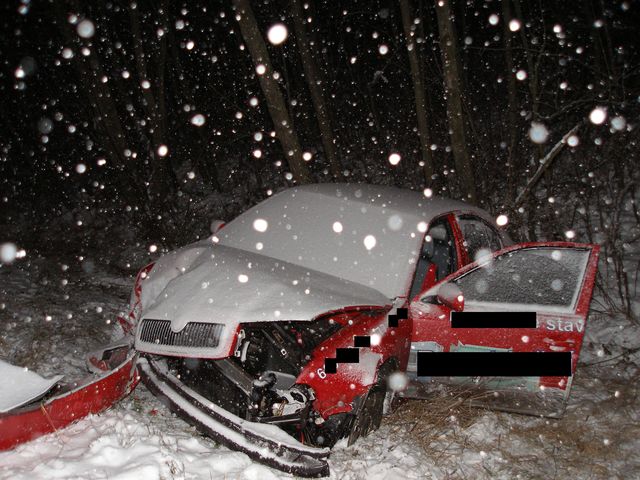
x,y
370,414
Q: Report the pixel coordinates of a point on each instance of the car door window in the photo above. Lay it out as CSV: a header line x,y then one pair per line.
x,y
478,235
438,249
546,278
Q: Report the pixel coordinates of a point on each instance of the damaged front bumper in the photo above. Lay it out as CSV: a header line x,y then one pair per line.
x,y
265,443
114,377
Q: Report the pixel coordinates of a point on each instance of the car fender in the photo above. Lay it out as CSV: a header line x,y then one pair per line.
x,y
339,392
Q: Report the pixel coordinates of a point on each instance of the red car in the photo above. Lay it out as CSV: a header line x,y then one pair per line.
x,y
290,317
297,323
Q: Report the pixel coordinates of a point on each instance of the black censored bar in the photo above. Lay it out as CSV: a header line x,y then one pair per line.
x,y
493,319
343,355
362,341
494,364
347,355
401,314
330,365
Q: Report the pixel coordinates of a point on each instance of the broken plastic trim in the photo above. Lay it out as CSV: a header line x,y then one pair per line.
x,y
264,443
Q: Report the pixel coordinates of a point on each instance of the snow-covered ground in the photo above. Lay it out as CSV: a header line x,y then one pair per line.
x,y
53,310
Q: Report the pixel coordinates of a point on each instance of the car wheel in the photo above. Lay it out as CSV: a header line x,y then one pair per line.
x,y
376,404
370,414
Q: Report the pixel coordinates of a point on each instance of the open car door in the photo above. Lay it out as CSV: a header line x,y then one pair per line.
x,y
481,308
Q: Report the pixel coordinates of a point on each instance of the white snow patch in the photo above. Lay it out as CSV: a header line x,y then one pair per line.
x,y
20,386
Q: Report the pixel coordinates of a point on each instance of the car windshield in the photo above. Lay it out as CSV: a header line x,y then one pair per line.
x,y
546,278
352,232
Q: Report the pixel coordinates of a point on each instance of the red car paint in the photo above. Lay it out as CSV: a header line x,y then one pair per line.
x,y
92,396
128,324
336,392
555,331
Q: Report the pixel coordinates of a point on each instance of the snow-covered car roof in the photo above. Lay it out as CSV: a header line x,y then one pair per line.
x,y
366,234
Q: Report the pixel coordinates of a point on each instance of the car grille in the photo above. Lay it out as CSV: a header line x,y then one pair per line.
x,y
195,334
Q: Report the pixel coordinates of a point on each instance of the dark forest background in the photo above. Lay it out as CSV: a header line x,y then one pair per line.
x,y
474,96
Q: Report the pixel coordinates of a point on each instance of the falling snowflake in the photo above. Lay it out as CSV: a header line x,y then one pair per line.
x,y
502,220
369,242
618,123
86,29
573,141
45,125
260,225
162,150
277,33
395,222
538,133
514,25
198,120
8,252
397,381
598,115
394,159
337,227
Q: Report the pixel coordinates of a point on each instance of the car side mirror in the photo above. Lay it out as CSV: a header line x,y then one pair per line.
x,y
216,226
450,295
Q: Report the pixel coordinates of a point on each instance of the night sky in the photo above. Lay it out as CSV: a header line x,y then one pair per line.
x,y
94,92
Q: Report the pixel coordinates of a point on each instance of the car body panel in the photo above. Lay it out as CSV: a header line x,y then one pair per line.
x,y
335,393
114,380
559,328
336,261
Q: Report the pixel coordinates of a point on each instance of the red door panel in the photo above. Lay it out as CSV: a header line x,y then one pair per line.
x,y
553,279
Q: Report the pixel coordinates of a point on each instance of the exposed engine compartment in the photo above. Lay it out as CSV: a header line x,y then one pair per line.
x,y
258,384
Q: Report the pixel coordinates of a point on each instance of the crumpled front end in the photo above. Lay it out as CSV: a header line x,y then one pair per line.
x,y
263,442
271,389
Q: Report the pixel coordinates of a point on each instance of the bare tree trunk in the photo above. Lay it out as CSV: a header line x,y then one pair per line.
x,y
160,181
531,66
203,158
512,106
418,90
275,101
453,89
314,82
104,110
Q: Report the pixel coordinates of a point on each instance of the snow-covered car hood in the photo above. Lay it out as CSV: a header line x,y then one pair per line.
x,y
226,285
209,283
